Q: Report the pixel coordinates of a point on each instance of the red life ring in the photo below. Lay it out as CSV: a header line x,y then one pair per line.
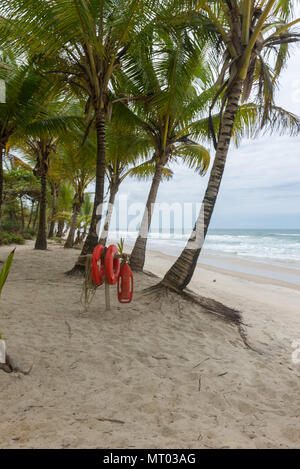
x,y
112,265
98,271
125,284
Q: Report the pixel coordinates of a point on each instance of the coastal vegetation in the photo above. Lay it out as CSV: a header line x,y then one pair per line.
x,y
111,101
98,91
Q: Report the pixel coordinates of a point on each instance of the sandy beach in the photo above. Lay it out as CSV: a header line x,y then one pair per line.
x,y
160,372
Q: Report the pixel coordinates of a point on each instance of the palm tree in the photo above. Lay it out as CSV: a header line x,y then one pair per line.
x,y
19,108
75,163
168,108
64,207
83,42
128,151
55,186
55,181
250,32
41,149
38,137
20,186
84,219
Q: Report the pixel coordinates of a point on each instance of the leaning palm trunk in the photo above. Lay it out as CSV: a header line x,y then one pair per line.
x,y
137,258
22,215
112,195
181,272
53,212
70,239
60,228
41,240
92,237
82,236
2,151
77,239
31,215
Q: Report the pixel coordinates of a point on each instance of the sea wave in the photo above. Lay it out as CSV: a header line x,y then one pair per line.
x,y
269,245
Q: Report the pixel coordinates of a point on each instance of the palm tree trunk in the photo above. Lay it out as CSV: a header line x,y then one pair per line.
x,y
70,239
112,195
181,272
41,240
92,237
53,211
60,228
137,258
1,179
31,214
82,236
77,239
36,215
22,215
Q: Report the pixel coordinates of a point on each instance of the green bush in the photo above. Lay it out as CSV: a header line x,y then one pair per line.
x,y
10,226
10,238
57,240
28,234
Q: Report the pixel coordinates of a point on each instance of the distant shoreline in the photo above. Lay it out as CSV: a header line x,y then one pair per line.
x,y
259,271
271,254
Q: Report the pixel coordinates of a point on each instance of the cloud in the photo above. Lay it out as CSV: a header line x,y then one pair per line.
x,y
261,184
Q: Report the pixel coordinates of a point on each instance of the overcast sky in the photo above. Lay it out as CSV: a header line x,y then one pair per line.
x,y
261,183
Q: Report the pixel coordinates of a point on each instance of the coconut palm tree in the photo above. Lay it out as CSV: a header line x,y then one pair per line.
x,y
84,219
41,149
19,107
168,79
128,154
251,34
116,174
83,42
20,187
38,137
64,207
55,186
75,163
55,181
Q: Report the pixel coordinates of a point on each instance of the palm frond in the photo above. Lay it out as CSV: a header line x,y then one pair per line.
x,y
195,156
146,171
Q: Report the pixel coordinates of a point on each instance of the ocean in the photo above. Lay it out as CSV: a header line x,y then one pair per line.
x,y
225,248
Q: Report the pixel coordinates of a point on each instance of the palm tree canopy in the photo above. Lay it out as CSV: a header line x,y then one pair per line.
x,y
34,107
75,162
254,45
81,40
166,87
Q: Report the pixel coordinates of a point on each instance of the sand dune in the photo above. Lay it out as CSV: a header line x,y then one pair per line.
x,y
158,373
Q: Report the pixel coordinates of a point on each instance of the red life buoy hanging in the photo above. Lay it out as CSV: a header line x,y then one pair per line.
x,y
112,264
97,270
125,284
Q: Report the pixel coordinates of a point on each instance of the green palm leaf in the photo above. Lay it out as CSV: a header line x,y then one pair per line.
x,y
5,270
195,156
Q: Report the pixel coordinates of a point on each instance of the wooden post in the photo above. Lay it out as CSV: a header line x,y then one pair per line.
x,y
107,296
88,282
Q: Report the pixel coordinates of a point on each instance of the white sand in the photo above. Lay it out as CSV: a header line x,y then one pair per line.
x,y
152,368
